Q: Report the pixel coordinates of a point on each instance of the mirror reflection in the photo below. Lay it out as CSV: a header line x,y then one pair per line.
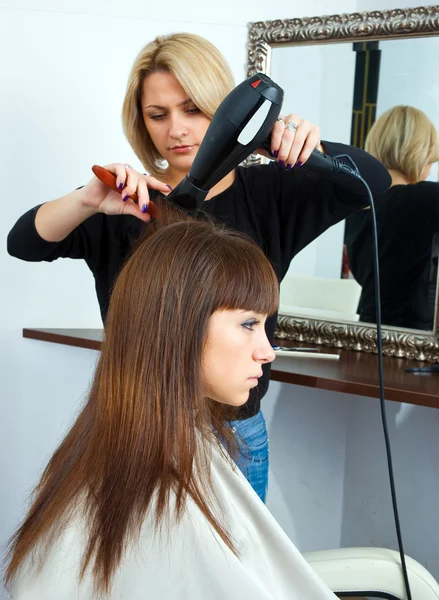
x,y
405,141
358,91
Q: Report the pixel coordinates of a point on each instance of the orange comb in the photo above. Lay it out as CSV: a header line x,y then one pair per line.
x,y
109,179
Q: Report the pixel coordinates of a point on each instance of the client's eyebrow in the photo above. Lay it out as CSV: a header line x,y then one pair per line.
x,y
184,103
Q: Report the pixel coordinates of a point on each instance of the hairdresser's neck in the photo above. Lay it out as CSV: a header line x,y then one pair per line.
x,y
173,178
398,178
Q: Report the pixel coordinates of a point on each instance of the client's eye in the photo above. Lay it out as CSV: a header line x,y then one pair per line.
x,y
250,324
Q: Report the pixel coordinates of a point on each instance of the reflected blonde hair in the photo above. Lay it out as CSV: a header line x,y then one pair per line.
x,y
404,139
197,65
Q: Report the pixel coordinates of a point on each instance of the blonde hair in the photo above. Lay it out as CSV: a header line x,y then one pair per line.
x,y
404,139
197,65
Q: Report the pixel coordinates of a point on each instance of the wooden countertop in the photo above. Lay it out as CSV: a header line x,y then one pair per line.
x,y
354,373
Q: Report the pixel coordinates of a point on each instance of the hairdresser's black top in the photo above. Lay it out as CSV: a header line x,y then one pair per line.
x,y
408,247
281,210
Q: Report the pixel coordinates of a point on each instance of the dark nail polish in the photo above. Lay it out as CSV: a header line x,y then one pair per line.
x,y
120,186
168,186
282,163
299,164
125,198
289,166
276,153
145,208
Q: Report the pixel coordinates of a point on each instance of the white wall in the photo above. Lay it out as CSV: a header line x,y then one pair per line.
x,y
368,516
307,435
63,74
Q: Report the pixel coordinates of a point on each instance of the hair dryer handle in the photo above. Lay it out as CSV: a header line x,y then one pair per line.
x,y
317,161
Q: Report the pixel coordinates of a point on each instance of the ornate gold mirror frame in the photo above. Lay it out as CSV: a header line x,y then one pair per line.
x,y
421,21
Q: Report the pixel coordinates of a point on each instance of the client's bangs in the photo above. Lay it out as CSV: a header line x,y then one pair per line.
x,y
247,282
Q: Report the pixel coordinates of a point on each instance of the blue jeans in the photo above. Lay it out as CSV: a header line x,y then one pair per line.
x,y
253,457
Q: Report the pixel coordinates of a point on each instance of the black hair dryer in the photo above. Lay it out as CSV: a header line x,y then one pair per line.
x,y
241,124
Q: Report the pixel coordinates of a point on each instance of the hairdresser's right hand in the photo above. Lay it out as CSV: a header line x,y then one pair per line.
x,y
98,196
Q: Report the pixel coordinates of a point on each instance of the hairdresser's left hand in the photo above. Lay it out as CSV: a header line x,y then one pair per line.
x,y
294,145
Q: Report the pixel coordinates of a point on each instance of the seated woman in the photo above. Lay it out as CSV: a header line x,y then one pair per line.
x,y
141,499
406,142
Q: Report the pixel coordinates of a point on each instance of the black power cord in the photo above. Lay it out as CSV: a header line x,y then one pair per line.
x,y
351,170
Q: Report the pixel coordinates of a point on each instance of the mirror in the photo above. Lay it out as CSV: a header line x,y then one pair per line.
x,y
354,68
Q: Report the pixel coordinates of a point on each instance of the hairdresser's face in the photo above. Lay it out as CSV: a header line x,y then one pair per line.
x,y
235,350
175,124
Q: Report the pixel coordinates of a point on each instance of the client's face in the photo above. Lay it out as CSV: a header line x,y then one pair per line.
x,y
235,350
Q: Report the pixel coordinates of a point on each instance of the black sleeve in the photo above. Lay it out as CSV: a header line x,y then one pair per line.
x,y
308,203
24,241
371,170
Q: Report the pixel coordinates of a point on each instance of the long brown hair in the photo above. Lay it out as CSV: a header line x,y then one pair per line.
x,y
146,429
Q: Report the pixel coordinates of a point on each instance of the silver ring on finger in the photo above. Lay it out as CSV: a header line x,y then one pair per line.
x,y
280,119
291,126
128,166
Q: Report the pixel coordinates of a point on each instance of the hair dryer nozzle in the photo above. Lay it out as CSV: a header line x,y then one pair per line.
x,y
186,195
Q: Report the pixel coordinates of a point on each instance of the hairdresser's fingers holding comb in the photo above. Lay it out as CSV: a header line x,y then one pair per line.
x,y
100,195
139,209
143,184
113,202
132,197
121,174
